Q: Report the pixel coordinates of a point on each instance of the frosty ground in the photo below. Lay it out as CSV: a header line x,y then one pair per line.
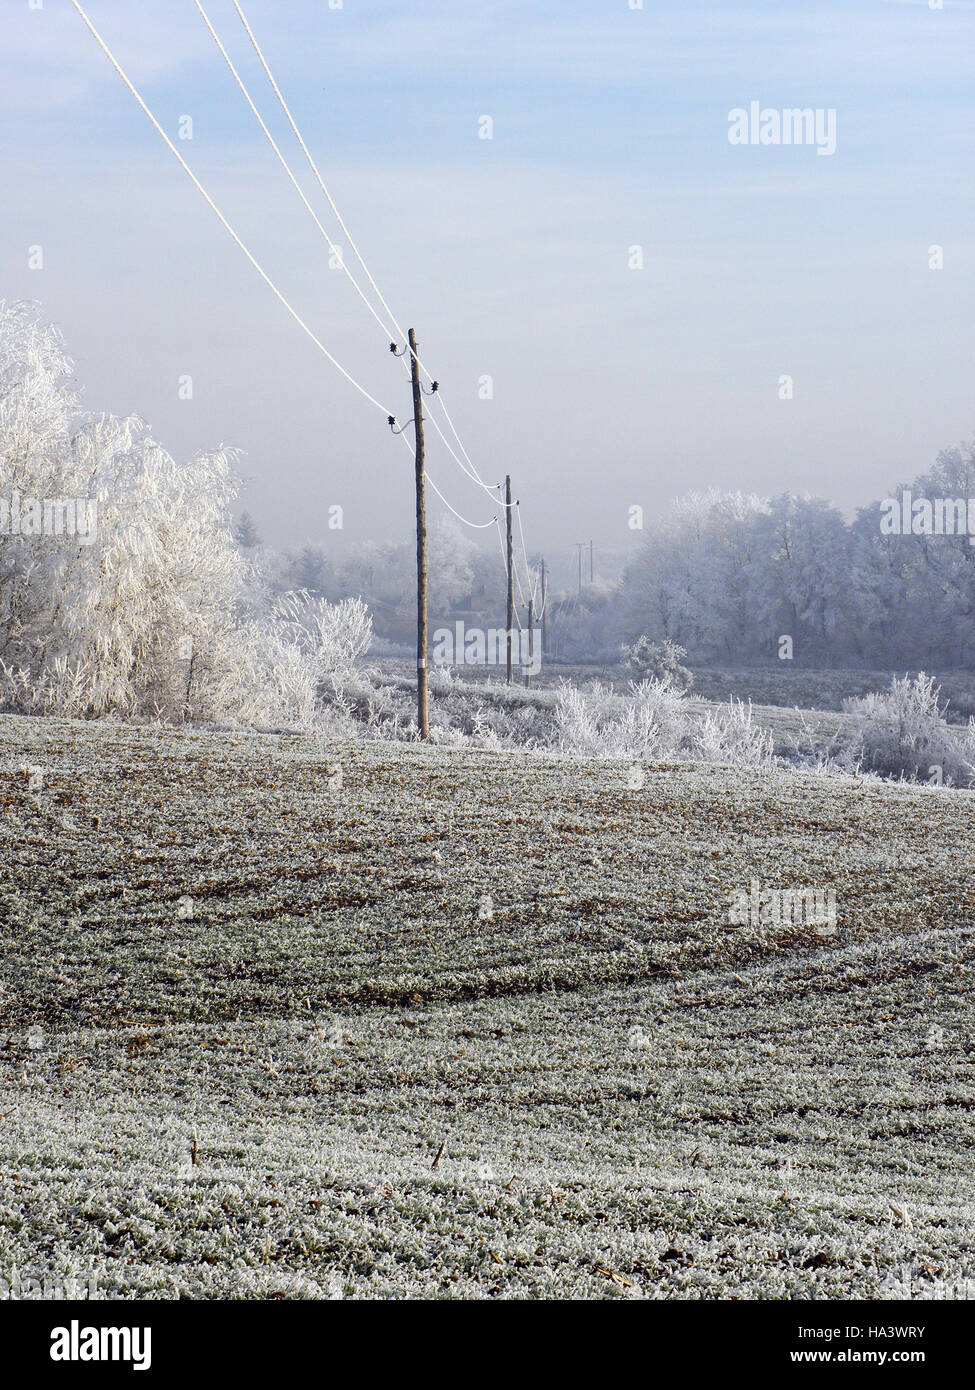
x,y
262,1034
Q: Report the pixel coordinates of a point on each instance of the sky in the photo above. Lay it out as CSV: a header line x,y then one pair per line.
x,y
634,285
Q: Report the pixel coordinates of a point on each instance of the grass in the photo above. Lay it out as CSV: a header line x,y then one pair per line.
x,y
814,689
808,728
783,686
798,706
514,961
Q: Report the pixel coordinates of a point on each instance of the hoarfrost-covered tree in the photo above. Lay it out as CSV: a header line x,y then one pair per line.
x,y
802,560
245,532
693,581
946,563
311,570
111,619
449,565
153,608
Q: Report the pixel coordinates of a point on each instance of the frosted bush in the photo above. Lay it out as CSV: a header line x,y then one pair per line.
x,y
730,734
656,721
442,680
295,667
575,722
266,680
903,732
334,635
651,721
659,661
60,687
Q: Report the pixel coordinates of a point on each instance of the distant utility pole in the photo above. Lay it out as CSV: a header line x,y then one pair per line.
x,y
422,705
543,610
590,562
531,639
580,546
511,592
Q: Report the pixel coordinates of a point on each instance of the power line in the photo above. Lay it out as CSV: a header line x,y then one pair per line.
x,y
199,186
524,551
331,245
257,266
287,167
314,167
252,259
471,472
475,525
514,571
467,456
504,563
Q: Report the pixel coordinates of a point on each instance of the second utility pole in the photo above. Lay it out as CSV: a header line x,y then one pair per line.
x,y
544,605
511,593
422,707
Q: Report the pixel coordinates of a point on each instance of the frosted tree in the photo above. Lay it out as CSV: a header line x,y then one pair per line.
x,y
886,615
118,620
729,610
245,532
450,572
804,561
946,563
36,405
312,570
693,581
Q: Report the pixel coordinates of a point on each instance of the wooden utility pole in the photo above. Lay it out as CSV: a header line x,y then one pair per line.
x,y
543,611
590,562
511,592
580,546
422,705
531,639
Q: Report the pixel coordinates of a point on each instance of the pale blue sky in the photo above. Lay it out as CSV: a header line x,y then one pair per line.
x,y
612,386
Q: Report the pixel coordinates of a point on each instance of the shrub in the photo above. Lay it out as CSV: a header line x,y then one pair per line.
x,y
659,661
655,721
293,666
903,733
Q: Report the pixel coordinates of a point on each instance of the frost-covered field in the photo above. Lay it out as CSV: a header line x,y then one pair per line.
x,y
289,1019
778,689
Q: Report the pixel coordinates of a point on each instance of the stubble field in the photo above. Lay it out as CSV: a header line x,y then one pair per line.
x,y
287,1019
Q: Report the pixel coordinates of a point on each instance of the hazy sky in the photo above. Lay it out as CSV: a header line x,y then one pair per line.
x,y
612,385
